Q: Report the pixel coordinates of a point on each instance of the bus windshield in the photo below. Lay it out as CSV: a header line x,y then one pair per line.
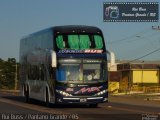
x,y
80,72
68,72
79,42
91,72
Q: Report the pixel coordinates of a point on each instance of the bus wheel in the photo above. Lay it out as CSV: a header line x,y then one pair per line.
x,y
26,92
93,105
47,99
54,98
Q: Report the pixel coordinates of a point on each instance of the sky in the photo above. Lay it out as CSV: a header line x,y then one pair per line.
x,y
128,40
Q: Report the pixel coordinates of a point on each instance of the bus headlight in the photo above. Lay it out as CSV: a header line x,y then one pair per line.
x,y
101,92
63,93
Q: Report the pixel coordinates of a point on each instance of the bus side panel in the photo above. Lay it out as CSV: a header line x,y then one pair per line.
x,y
41,41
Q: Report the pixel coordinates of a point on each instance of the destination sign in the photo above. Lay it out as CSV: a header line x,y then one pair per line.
x,y
80,51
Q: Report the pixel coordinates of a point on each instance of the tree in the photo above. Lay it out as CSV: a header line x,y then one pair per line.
x,y
7,73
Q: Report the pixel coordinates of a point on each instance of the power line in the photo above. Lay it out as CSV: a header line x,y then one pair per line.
x,y
139,38
129,37
142,38
145,55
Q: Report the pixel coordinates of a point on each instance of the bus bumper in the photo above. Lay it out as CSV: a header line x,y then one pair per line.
x,y
83,100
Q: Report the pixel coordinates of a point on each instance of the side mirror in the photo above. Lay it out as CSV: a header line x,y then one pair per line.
x,y
53,59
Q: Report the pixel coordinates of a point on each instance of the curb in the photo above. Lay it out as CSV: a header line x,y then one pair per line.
x,y
15,92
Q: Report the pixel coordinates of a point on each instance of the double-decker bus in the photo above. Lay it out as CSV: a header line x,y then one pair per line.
x,y
64,64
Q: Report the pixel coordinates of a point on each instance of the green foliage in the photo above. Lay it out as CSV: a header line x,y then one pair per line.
x,y
7,73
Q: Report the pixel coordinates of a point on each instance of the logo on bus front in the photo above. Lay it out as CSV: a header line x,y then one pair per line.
x,y
88,90
80,51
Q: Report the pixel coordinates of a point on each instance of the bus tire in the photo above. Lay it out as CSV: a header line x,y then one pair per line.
x,y
26,93
47,98
54,98
95,105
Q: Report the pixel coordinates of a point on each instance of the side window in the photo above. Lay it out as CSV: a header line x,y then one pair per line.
x,y
50,71
98,42
84,42
37,72
59,42
29,72
73,41
34,72
42,72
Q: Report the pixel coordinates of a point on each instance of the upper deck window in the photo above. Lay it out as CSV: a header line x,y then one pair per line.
x,y
60,42
73,41
98,41
84,42
79,42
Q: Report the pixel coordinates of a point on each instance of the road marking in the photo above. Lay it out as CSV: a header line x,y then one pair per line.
x,y
32,107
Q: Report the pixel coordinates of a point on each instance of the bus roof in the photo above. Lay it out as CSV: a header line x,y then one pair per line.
x,y
68,29
77,29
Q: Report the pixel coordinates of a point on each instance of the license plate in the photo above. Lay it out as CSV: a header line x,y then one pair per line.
x,y
83,100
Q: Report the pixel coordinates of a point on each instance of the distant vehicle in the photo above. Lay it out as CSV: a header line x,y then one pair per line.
x,y
64,64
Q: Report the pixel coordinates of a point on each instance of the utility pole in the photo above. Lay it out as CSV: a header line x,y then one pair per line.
x,y
15,84
159,74
157,28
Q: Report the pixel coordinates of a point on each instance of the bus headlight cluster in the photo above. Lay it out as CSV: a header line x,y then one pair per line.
x,y
63,93
100,93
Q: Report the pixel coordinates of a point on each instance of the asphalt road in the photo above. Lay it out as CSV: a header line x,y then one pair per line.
x,y
13,107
